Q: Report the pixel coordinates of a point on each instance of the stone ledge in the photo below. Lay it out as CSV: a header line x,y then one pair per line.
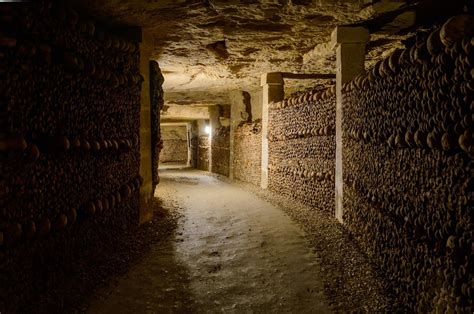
x,y
272,78
349,35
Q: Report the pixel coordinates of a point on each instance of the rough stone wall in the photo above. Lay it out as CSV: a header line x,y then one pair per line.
x,y
203,152
174,150
175,144
262,35
247,152
408,169
156,98
69,148
302,148
220,150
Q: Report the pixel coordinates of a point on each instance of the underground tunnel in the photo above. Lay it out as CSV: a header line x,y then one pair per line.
x,y
236,156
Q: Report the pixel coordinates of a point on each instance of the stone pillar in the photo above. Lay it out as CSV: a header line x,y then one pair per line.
x,y
350,44
273,90
189,137
214,124
146,190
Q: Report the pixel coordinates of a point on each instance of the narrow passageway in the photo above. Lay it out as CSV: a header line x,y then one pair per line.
x,y
203,156
232,252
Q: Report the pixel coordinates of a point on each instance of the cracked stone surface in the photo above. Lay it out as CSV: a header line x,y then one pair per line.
x,y
207,48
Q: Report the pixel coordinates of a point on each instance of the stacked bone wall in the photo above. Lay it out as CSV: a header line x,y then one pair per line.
x,y
69,139
408,169
220,150
302,148
175,144
156,98
247,152
203,152
194,144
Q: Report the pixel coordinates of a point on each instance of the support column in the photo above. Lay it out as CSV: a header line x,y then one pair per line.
x,y
189,136
273,90
350,44
146,190
214,124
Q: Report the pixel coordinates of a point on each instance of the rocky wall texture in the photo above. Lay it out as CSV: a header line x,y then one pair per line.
x,y
174,150
408,168
69,149
248,152
220,150
175,144
203,152
238,40
302,148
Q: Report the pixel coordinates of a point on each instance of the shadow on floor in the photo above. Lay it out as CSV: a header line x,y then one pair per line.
x,y
156,282
242,254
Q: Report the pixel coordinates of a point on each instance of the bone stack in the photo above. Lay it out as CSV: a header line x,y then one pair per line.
x,y
220,150
302,148
203,152
156,101
247,152
69,141
408,168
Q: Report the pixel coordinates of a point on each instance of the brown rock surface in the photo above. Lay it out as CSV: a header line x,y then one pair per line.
x,y
209,47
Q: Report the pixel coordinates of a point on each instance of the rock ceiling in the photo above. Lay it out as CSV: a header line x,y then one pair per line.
x,y
206,48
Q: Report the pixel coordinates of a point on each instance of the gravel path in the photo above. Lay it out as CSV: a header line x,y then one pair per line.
x,y
231,252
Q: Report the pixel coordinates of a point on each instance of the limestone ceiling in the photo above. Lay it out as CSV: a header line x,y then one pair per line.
x,y
206,48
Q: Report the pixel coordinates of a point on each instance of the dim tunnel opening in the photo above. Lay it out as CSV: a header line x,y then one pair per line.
x,y
176,146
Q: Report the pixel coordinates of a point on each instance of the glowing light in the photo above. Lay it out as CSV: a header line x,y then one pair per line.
x,y
207,129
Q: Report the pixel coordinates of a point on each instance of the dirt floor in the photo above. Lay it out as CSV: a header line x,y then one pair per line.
x,y
235,250
232,252
352,284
